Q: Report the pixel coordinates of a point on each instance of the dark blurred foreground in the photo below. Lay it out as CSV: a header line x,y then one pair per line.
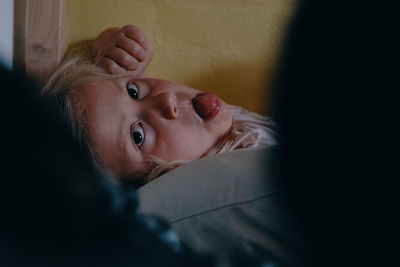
x,y
336,94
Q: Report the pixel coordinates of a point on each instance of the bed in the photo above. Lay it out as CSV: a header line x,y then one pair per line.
x,y
228,203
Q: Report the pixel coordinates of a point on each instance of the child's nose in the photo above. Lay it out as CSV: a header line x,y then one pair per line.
x,y
168,105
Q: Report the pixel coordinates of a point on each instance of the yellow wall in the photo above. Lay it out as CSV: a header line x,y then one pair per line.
x,y
226,46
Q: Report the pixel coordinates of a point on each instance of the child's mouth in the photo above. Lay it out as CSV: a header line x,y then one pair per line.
x,y
207,105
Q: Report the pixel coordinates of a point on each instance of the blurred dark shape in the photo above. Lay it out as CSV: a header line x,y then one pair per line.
x,y
334,103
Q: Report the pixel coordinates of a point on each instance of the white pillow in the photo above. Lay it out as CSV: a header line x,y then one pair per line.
x,y
224,204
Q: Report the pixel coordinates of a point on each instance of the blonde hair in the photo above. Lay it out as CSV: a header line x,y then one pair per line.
x,y
61,90
248,129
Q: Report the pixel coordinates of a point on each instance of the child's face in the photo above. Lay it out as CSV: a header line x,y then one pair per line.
x,y
129,119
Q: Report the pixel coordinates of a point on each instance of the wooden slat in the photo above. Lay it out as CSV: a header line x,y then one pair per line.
x,y
41,28
19,34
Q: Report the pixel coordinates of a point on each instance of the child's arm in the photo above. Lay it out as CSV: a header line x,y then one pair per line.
x,y
122,50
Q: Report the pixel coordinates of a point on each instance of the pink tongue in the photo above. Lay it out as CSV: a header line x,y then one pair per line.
x,y
205,104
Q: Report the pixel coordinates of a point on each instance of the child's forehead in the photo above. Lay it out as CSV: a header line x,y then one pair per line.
x,y
99,81
99,86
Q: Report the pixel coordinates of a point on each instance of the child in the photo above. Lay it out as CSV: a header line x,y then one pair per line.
x,y
138,127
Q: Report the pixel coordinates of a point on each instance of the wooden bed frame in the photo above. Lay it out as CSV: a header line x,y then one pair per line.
x,y
40,36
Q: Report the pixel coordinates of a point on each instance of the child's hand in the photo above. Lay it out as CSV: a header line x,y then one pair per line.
x,y
120,50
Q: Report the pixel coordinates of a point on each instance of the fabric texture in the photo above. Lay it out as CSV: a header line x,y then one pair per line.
x,y
226,203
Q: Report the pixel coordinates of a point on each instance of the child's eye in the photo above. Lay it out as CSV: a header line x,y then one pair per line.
x,y
138,135
133,91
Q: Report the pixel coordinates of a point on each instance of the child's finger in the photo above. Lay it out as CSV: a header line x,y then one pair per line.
x,y
133,48
136,34
122,58
111,66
